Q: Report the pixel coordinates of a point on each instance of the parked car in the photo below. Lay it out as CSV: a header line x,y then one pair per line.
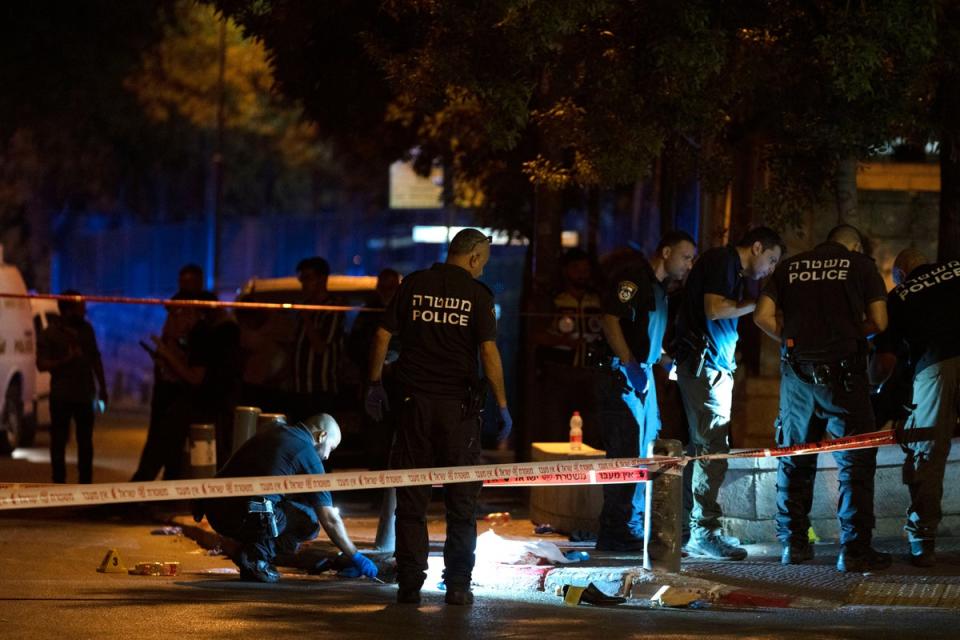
x,y
18,367
45,312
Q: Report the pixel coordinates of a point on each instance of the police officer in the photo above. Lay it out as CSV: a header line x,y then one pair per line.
x,y
268,525
831,299
924,313
634,321
713,302
444,316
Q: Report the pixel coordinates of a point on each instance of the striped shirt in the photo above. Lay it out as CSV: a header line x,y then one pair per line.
x,y
316,372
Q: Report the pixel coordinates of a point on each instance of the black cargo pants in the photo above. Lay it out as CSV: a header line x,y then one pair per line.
x,y
435,431
230,517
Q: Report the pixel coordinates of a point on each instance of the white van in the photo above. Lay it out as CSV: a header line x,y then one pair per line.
x,y
18,367
45,312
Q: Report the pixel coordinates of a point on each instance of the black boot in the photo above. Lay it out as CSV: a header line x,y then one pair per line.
x,y
796,553
860,558
458,596
408,594
922,553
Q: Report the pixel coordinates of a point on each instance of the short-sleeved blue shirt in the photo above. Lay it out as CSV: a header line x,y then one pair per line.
x,y
718,271
280,451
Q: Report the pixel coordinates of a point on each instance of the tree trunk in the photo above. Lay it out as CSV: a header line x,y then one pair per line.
x,y
593,221
948,247
845,192
547,218
746,171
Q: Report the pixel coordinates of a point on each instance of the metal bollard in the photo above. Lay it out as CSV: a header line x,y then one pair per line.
x,y
244,425
662,518
266,420
203,451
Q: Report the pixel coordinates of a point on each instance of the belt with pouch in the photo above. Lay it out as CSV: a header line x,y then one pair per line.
x,y
828,374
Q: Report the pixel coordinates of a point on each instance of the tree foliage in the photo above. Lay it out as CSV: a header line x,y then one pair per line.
x,y
580,93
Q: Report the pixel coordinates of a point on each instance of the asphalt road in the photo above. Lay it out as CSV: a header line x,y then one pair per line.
x,y
49,588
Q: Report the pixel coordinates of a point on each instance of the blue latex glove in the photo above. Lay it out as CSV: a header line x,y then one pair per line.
x,y
364,565
638,378
376,401
504,424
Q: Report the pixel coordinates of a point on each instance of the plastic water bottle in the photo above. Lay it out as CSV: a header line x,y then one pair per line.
x,y
576,432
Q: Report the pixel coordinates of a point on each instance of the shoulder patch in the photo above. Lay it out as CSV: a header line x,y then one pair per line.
x,y
626,290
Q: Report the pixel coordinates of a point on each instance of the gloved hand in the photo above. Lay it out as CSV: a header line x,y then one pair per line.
x,y
376,401
638,378
364,565
504,424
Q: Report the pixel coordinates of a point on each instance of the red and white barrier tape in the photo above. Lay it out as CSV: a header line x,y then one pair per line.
x,y
551,473
849,443
596,471
226,304
203,304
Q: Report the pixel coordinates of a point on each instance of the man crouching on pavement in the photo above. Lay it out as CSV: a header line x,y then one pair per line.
x,y
272,524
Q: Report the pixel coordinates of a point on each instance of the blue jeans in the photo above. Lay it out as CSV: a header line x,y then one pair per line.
x,y
808,413
630,423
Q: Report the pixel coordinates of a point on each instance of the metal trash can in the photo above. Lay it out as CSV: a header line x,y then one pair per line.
x,y
244,425
202,445
265,420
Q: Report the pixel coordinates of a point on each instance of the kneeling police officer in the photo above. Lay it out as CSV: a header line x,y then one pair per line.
x,y
832,299
268,525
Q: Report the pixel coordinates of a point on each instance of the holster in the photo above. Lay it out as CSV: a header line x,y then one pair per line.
x,y
476,398
824,373
692,344
263,509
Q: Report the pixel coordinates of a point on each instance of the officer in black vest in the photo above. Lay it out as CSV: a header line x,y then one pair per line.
x,y
832,299
444,317
924,317
634,322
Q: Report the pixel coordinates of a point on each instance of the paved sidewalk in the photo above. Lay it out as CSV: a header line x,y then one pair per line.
x,y
760,581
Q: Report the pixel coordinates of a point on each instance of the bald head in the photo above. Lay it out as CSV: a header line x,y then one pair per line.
x,y
907,260
848,236
326,433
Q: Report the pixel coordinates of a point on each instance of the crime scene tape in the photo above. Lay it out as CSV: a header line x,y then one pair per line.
x,y
205,304
613,476
547,473
225,304
849,443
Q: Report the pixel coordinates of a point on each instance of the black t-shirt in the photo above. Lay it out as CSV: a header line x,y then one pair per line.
x,y
824,294
216,348
718,271
442,315
925,313
640,301
74,380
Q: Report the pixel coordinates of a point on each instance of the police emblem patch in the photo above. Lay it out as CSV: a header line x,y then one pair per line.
x,y
626,290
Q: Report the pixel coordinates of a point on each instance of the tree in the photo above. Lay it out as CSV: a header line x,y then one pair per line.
x,y
271,151
63,110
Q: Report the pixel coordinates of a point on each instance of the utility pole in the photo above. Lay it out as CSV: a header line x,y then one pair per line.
x,y
215,208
